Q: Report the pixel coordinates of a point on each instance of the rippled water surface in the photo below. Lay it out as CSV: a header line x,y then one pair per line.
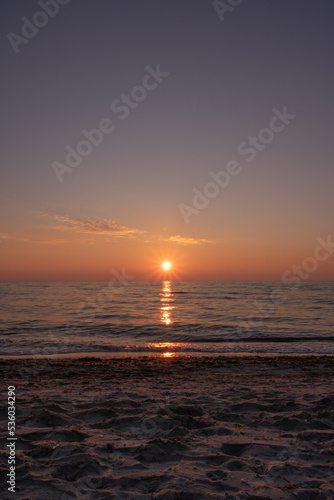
x,y
49,318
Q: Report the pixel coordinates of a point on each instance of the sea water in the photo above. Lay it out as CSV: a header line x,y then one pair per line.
x,y
166,317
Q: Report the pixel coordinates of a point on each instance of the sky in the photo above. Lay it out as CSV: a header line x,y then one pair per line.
x,y
192,131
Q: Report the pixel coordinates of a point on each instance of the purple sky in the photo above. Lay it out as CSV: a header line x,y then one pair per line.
x,y
224,79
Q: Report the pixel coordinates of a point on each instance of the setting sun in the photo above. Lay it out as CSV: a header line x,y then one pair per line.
x,y
166,266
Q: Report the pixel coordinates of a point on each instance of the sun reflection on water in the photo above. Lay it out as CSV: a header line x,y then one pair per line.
x,y
166,303
168,349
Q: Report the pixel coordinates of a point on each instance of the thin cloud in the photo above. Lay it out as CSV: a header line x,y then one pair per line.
x,y
64,242
14,238
48,242
180,240
95,226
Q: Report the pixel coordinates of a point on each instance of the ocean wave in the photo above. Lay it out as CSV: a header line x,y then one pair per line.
x,y
167,349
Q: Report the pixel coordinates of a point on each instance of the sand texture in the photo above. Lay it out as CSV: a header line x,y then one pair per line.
x,y
172,428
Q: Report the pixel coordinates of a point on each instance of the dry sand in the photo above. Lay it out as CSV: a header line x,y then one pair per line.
x,y
172,428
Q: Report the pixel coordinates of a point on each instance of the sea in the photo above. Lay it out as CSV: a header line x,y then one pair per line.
x,y
167,318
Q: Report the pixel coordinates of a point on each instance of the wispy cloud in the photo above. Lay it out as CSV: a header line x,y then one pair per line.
x,y
64,242
55,241
94,226
186,241
3,236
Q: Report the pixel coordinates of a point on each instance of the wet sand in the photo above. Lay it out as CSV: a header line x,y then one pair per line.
x,y
250,427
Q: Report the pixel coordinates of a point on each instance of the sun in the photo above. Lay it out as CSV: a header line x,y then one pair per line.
x,y
166,266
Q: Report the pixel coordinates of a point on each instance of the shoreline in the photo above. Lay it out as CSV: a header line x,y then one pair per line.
x,y
158,355
81,366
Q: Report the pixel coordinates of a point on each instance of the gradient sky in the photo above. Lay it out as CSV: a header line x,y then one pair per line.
x,y
120,207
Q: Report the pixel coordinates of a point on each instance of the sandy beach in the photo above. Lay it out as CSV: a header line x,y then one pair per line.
x,y
171,428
